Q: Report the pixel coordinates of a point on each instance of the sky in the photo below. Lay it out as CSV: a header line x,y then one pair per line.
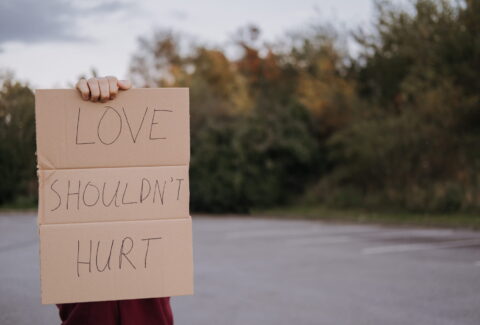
x,y
50,43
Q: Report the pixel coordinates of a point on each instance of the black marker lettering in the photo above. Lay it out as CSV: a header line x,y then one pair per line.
x,y
85,190
179,185
155,123
107,263
134,138
109,108
78,126
148,246
142,197
58,195
157,186
89,263
124,254
73,193
114,197
123,196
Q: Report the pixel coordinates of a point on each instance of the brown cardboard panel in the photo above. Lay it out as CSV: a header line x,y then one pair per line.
x,y
116,260
141,127
113,194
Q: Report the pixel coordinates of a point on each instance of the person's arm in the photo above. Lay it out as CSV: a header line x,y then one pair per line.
x,y
101,89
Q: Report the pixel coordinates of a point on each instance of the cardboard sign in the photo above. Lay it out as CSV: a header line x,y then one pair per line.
x,y
141,127
109,194
113,211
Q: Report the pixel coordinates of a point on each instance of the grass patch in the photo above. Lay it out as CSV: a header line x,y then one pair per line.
x,y
361,216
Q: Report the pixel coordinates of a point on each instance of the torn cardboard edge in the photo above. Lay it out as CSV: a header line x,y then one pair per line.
x,y
116,260
113,194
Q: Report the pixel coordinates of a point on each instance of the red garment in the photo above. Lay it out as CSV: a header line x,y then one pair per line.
x,y
154,311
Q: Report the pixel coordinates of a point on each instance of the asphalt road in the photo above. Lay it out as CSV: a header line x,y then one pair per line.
x,y
262,271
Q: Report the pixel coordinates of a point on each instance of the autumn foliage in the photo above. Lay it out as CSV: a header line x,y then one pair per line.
x,y
395,124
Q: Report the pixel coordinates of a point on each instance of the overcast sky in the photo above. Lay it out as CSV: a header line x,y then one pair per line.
x,y
49,43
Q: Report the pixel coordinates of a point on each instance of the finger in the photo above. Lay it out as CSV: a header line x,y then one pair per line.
x,y
94,89
112,86
82,87
104,89
124,84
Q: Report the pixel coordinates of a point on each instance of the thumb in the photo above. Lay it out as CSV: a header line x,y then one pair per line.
x,y
124,84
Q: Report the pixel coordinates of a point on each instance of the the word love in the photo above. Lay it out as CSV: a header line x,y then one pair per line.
x,y
115,121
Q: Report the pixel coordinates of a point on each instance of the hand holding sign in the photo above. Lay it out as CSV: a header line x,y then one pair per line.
x,y
102,89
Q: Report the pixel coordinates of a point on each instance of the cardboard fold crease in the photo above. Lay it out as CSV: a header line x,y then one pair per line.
x,y
113,212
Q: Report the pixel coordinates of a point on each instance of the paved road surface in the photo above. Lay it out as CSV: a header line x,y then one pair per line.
x,y
260,271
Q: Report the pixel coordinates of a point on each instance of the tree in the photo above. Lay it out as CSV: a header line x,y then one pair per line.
x,y
17,141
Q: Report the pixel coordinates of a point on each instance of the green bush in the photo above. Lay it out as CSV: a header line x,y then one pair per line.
x,y
17,142
262,159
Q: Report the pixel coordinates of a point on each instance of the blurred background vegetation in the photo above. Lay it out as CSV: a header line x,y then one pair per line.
x,y
395,125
